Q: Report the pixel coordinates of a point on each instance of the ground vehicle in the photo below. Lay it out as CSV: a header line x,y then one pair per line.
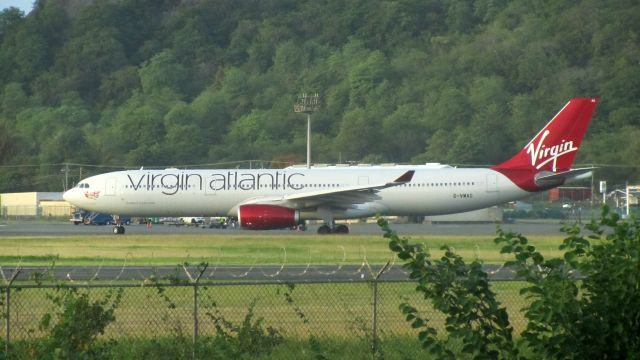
x,y
193,220
95,218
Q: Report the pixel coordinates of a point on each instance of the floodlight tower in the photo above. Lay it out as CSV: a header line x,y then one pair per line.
x,y
307,104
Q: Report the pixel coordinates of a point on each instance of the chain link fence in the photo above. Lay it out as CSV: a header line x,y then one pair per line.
x,y
352,319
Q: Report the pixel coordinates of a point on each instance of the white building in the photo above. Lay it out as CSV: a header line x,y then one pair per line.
x,y
34,204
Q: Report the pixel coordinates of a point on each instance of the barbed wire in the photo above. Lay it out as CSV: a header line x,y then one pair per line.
x,y
354,270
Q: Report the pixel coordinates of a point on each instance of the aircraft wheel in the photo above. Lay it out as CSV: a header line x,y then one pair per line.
x,y
341,229
118,230
324,229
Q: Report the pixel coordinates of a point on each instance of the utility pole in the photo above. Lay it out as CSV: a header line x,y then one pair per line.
x,y
307,104
66,176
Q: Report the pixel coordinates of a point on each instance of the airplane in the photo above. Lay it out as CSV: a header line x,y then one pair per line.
x,y
279,198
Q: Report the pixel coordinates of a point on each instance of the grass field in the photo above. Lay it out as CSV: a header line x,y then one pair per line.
x,y
338,315
238,249
326,310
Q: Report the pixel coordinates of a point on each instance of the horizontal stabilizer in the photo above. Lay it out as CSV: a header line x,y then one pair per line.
x,y
546,179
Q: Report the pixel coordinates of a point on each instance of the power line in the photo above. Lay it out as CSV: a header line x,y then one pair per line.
x,y
257,161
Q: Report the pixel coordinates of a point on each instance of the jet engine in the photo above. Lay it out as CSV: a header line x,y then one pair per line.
x,y
267,217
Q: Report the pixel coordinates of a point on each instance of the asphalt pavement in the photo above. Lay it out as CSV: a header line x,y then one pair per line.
x,y
25,228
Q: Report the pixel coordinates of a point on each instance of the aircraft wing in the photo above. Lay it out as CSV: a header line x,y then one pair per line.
x,y
343,198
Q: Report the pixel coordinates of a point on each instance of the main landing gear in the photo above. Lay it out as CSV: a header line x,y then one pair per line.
x,y
119,228
335,229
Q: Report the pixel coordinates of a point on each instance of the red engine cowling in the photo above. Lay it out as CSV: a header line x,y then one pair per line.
x,y
267,217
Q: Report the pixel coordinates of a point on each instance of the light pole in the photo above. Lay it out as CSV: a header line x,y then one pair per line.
x,y
307,104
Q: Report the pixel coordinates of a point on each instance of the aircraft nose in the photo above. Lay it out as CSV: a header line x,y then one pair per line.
x,y
71,196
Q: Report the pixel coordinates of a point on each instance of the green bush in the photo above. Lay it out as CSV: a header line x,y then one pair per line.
x,y
583,305
246,340
474,318
77,325
597,316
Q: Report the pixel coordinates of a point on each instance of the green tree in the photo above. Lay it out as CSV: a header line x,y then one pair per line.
x,y
7,143
365,76
9,17
118,86
66,144
404,132
212,114
88,58
14,100
185,141
244,135
32,54
449,109
138,129
163,71
358,134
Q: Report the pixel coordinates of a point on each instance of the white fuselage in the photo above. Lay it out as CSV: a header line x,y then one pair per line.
x,y
432,190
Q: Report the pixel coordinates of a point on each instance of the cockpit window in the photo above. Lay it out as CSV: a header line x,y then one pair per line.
x,y
83,186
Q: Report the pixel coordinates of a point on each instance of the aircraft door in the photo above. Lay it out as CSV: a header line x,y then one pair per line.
x,y
492,183
110,187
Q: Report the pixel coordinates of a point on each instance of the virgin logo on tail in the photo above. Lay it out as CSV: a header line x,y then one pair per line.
x,y
554,148
540,152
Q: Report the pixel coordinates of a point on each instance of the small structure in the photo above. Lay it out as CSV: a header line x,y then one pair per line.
x,y
632,196
34,204
570,194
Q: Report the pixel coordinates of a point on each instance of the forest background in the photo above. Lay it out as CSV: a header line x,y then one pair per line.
x,y
113,84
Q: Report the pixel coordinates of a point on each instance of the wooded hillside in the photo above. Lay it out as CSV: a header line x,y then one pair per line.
x,y
170,83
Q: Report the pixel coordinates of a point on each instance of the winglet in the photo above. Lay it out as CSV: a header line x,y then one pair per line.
x,y
404,178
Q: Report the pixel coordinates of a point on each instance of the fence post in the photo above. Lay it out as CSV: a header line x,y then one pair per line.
x,y
201,269
374,320
374,340
195,319
8,309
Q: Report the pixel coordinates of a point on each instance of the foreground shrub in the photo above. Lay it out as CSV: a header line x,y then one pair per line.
x,y
474,318
77,325
585,305
246,340
597,317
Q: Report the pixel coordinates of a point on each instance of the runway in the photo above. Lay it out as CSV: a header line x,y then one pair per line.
x,y
61,229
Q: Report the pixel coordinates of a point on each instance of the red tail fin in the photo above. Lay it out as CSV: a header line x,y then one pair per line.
x,y
554,147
